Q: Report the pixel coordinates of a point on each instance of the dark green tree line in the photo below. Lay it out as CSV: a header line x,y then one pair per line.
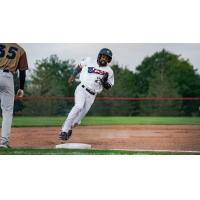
x,y
49,78
172,70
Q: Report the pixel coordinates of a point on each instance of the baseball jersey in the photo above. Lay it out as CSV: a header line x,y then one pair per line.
x,y
12,57
91,74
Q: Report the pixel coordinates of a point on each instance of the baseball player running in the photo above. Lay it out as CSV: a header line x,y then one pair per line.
x,y
12,57
94,76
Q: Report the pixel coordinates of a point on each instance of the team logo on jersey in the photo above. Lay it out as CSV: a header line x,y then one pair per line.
x,y
95,71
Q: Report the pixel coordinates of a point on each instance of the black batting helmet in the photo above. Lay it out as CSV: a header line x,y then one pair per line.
x,y
106,52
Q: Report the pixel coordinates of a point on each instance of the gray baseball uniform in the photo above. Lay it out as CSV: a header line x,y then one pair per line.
x,y
12,57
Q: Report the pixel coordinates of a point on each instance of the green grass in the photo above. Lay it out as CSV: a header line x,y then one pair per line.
x,y
58,121
140,120
23,151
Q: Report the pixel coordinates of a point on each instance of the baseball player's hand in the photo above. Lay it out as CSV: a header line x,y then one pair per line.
x,y
71,79
20,93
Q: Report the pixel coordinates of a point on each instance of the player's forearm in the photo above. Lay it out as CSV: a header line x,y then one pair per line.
x,y
77,71
22,78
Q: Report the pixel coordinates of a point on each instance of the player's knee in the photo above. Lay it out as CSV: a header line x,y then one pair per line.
x,y
7,110
79,107
75,125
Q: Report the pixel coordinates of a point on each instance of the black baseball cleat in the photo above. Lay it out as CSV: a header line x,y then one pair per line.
x,y
65,135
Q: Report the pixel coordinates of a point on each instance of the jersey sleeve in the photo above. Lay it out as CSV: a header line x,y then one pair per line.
x,y
23,63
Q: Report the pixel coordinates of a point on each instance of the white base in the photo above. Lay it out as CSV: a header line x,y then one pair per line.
x,y
73,146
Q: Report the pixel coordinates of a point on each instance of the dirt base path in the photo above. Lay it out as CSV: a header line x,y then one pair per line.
x,y
144,137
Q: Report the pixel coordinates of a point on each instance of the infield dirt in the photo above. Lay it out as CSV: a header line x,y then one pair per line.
x,y
129,137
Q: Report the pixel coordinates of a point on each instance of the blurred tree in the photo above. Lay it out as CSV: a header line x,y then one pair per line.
x,y
161,85
180,72
49,78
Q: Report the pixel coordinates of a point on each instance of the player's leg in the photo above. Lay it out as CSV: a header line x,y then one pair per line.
x,y
7,104
80,99
76,121
88,103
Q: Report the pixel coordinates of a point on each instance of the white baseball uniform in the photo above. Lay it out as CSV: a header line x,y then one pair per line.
x,y
87,90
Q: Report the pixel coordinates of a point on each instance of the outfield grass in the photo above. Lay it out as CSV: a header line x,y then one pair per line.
x,y
58,121
23,151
